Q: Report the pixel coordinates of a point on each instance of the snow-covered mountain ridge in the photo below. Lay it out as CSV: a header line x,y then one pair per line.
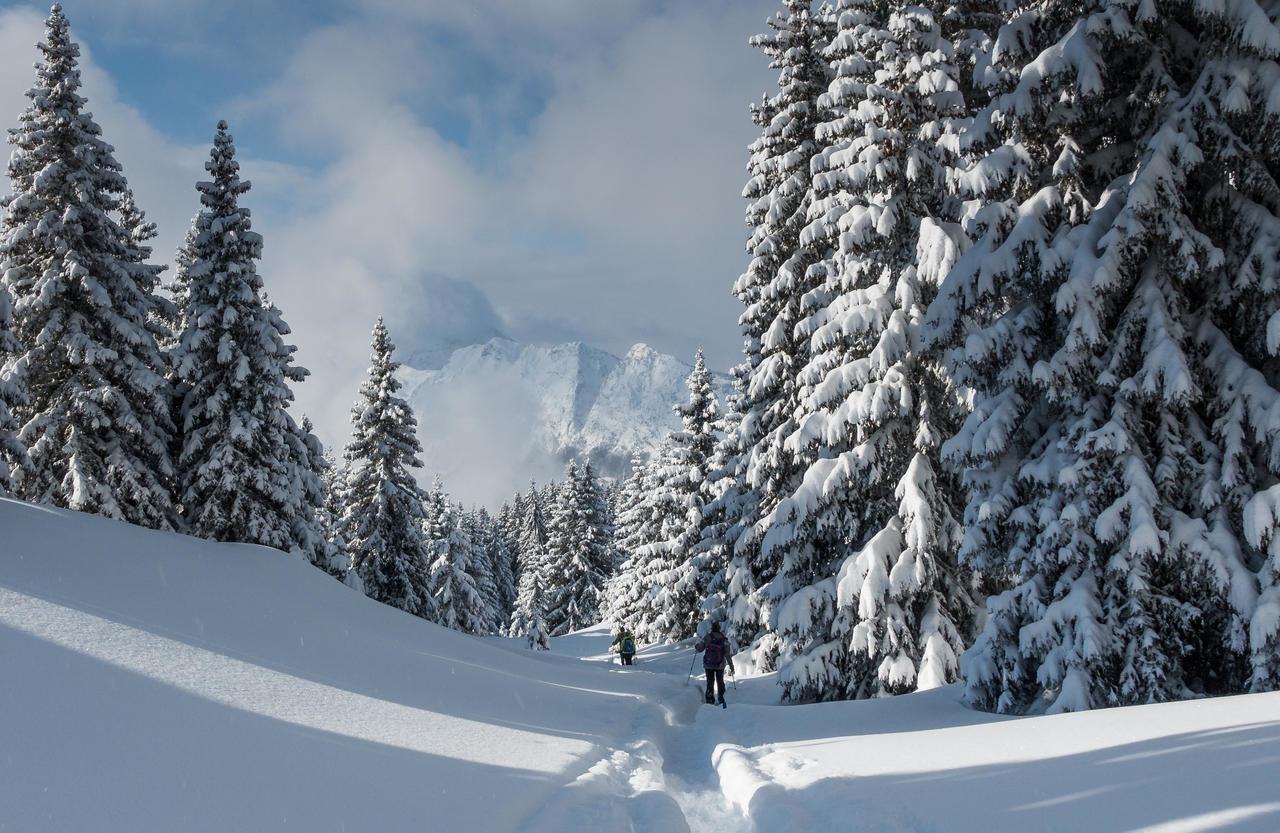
x,y
540,405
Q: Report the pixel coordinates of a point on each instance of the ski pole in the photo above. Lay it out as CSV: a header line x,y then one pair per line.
x,y
691,662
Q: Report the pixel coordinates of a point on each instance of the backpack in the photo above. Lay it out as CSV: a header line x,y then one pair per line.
x,y
713,656
628,644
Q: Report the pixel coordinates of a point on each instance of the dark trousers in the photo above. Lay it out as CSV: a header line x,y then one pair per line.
x,y
626,658
715,677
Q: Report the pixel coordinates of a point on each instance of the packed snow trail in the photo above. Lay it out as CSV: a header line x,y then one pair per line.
x,y
924,762
153,682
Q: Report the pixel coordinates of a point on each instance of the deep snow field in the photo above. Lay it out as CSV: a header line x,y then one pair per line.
x,y
153,682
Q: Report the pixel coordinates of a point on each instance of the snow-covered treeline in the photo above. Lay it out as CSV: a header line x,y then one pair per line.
x,y
1009,382
562,538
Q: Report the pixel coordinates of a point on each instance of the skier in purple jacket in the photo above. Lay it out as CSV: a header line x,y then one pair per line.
x,y
716,651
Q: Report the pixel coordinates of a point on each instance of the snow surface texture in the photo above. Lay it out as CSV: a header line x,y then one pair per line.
x,y
154,682
500,412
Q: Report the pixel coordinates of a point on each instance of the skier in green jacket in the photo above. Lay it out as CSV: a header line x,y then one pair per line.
x,y
625,644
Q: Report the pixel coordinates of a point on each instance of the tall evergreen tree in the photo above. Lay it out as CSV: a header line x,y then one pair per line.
x,y
601,541
382,503
529,617
498,553
13,454
778,276
682,587
180,292
873,408
1110,314
317,526
139,231
577,556
243,473
451,580
733,595
657,522
95,418
620,601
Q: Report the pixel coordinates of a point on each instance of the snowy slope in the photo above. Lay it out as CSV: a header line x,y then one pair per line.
x,y
517,411
151,682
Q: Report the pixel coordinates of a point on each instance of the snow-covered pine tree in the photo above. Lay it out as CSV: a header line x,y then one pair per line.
x,y
13,392
726,570
459,604
894,614
317,526
681,591
529,617
96,416
498,555
509,522
381,502
242,472
628,498
179,290
601,544
139,231
332,513
179,295
619,604
661,521
478,528
575,558
778,276
1121,219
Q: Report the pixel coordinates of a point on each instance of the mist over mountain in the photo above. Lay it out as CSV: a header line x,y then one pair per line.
x,y
502,412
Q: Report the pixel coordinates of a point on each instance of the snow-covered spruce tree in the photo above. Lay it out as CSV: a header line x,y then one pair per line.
x,y
503,557
179,290
243,473
619,606
458,600
332,513
892,615
529,617
510,519
778,276
661,522
575,556
179,295
729,592
1121,220
600,522
381,502
13,454
139,231
627,499
96,418
681,590
477,532
317,531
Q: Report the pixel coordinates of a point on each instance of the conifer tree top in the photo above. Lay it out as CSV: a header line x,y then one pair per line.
x,y
221,194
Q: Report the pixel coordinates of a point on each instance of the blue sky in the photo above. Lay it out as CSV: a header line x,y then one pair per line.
x,y
558,170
